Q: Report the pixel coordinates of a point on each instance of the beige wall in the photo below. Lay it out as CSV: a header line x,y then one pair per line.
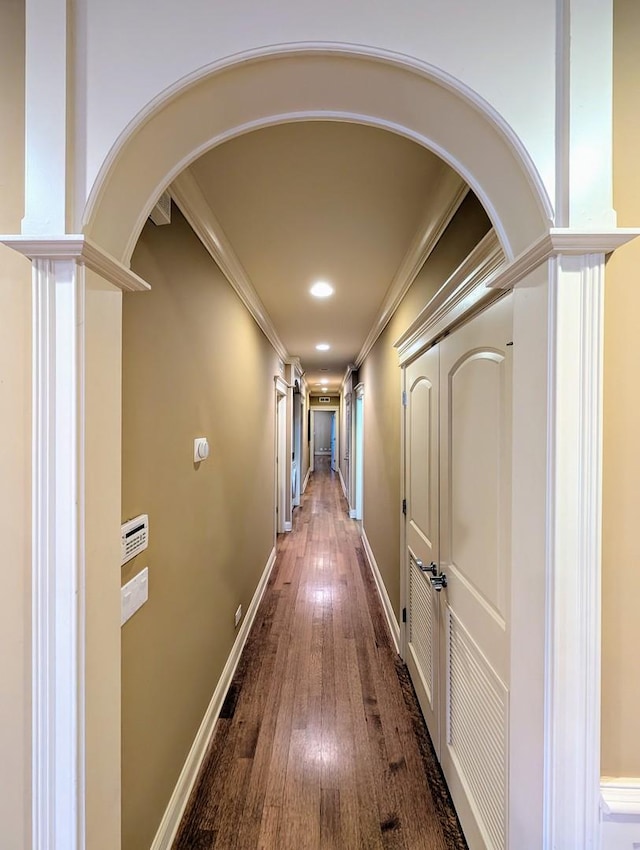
x,y
194,364
15,453
103,324
621,554
381,377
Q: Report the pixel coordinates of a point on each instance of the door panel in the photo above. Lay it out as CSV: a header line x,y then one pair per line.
x,y
421,489
475,499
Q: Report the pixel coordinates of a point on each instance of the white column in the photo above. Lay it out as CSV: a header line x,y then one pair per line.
x,y
58,594
572,663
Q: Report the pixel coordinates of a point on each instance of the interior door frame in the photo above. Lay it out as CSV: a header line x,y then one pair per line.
x,y
280,456
313,409
357,454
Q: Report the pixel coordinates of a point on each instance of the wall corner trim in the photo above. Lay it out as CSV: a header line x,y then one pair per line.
x,y
394,626
76,246
177,804
620,796
306,479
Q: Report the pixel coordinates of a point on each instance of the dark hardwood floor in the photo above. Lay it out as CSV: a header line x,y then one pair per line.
x,y
320,743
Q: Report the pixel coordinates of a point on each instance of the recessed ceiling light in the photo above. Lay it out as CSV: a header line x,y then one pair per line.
x,y
323,346
321,289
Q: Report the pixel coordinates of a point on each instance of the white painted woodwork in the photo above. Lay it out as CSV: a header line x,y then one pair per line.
x,y
475,555
576,293
422,655
458,491
282,467
58,556
305,82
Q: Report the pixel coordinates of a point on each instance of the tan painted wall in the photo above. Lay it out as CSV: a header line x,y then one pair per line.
x,y
381,377
621,554
103,324
15,449
194,364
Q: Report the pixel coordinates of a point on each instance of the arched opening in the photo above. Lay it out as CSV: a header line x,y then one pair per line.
x,y
261,90
304,84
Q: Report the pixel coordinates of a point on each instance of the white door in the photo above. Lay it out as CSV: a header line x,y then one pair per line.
x,y
475,555
467,627
422,521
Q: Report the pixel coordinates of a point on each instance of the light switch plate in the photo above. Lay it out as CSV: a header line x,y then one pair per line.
x,y
200,449
133,595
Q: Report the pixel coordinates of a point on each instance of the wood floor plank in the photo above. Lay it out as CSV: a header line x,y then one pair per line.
x,y
320,744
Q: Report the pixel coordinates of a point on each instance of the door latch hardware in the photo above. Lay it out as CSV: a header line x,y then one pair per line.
x,y
432,568
438,582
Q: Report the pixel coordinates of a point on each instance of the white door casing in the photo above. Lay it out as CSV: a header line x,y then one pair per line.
x,y
358,443
281,501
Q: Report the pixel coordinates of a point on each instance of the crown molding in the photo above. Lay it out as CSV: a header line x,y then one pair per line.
x,y
187,194
78,247
464,290
562,240
449,193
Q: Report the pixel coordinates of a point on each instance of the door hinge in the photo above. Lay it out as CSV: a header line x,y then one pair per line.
x,y
404,615
404,507
404,398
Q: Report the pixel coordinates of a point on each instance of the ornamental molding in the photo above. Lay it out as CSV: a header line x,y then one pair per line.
x,y
78,247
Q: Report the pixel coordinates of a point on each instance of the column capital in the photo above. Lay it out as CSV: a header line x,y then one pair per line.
x,y
76,246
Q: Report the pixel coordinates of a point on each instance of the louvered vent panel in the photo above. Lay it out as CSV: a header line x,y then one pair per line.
x,y
421,624
477,715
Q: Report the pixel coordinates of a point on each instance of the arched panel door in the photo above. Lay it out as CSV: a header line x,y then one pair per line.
x,y
475,556
422,383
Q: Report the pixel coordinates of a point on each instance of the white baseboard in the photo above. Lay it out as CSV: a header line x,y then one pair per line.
x,y
394,627
620,827
306,479
352,513
173,814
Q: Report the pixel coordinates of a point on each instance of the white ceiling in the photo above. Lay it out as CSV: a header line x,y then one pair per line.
x,y
302,202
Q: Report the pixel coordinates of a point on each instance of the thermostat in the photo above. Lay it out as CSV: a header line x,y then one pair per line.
x,y
134,537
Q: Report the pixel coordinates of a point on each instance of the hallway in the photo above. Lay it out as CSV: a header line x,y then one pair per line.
x,y
320,743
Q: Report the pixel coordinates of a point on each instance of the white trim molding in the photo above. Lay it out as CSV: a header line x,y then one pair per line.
x,y
561,240
573,604
621,796
444,202
58,785
392,621
620,826
81,249
485,269
187,194
306,479
464,290
175,809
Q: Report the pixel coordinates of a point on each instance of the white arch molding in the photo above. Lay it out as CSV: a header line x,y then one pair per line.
x,y
315,82
558,278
